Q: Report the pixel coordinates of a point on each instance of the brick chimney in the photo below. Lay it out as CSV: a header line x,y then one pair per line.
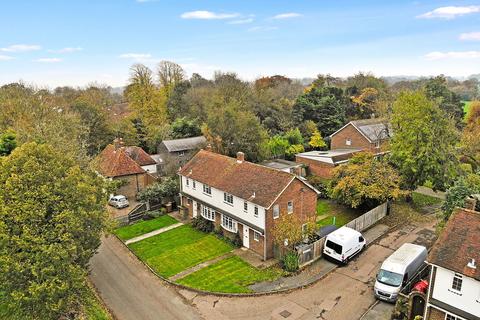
x,y
470,203
118,143
240,157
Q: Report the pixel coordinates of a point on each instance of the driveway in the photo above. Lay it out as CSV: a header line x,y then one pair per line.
x,y
346,293
130,290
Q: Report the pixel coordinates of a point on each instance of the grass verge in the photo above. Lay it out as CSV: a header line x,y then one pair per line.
x,y
230,275
422,200
179,249
342,214
139,228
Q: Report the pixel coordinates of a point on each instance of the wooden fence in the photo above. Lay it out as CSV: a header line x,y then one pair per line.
x,y
308,253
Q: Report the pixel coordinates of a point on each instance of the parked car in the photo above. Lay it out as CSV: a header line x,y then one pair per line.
x,y
343,243
118,202
398,269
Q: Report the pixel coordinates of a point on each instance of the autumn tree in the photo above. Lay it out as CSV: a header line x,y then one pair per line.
x,y
316,141
470,142
365,180
170,74
423,143
289,230
52,213
455,196
185,128
437,89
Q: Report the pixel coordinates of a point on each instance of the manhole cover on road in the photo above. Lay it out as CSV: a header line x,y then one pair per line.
x,y
285,314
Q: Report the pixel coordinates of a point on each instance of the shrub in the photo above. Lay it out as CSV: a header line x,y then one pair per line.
x,y
237,240
321,184
202,224
290,261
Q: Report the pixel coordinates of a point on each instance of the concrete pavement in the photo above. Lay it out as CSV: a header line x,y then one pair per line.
x,y
153,233
346,293
130,290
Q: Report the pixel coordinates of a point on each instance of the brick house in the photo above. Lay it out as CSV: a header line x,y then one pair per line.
x,y
366,134
454,292
175,153
130,164
356,136
243,197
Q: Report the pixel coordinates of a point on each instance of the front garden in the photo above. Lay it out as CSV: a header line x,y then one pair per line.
x,y
332,213
193,258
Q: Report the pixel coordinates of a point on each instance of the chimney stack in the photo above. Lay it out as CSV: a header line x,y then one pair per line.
x,y
208,147
118,143
240,157
470,203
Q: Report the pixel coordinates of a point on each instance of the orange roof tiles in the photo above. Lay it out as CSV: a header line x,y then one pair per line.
x,y
114,163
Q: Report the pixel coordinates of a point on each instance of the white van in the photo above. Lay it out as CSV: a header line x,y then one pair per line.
x,y
343,243
398,269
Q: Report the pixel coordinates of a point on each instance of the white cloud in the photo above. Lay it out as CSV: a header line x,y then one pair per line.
x,y
208,15
21,48
66,50
262,28
5,58
241,21
437,55
137,57
450,12
470,36
287,15
49,60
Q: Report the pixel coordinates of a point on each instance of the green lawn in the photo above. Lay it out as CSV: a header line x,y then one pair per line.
x,y
342,214
139,228
421,200
231,275
179,249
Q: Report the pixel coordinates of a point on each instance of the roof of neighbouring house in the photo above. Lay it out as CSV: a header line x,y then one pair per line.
x,y
113,162
458,243
246,180
184,144
280,164
333,157
140,156
372,129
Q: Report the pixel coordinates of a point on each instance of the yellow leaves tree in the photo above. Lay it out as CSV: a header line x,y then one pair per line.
x,y
289,230
316,140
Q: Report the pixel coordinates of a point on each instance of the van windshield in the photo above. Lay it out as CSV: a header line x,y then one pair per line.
x,y
334,246
390,278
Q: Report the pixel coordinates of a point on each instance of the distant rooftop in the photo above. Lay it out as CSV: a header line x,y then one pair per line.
x,y
280,164
373,129
184,144
331,156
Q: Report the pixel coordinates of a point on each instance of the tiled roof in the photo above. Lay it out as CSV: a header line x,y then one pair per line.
x,y
140,156
373,129
458,243
184,144
115,163
243,180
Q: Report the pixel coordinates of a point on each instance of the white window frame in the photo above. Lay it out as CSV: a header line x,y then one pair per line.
x,y
255,211
245,206
256,236
194,184
377,144
276,211
449,316
348,142
181,153
208,213
290,206
187,182
459,283
207,189
228,198
229,224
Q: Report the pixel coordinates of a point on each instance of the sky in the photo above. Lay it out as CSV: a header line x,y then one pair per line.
x,y
55,43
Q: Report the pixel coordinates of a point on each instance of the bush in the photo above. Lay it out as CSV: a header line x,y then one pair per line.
x,y
290,261
237,240
202,224
321,184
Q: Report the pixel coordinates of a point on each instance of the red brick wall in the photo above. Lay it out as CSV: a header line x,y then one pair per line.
x,y
317,168
256,246
435,314
304,205
349,132
135,183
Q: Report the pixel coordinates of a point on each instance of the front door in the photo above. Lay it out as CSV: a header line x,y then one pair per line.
x,y
194,209
246,236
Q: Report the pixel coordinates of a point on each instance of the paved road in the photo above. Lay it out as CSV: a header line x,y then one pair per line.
x,y
344,294
130,290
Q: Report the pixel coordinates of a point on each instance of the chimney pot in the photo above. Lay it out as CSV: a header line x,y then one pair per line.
x,y
470,203
208,147
240,157
471,264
